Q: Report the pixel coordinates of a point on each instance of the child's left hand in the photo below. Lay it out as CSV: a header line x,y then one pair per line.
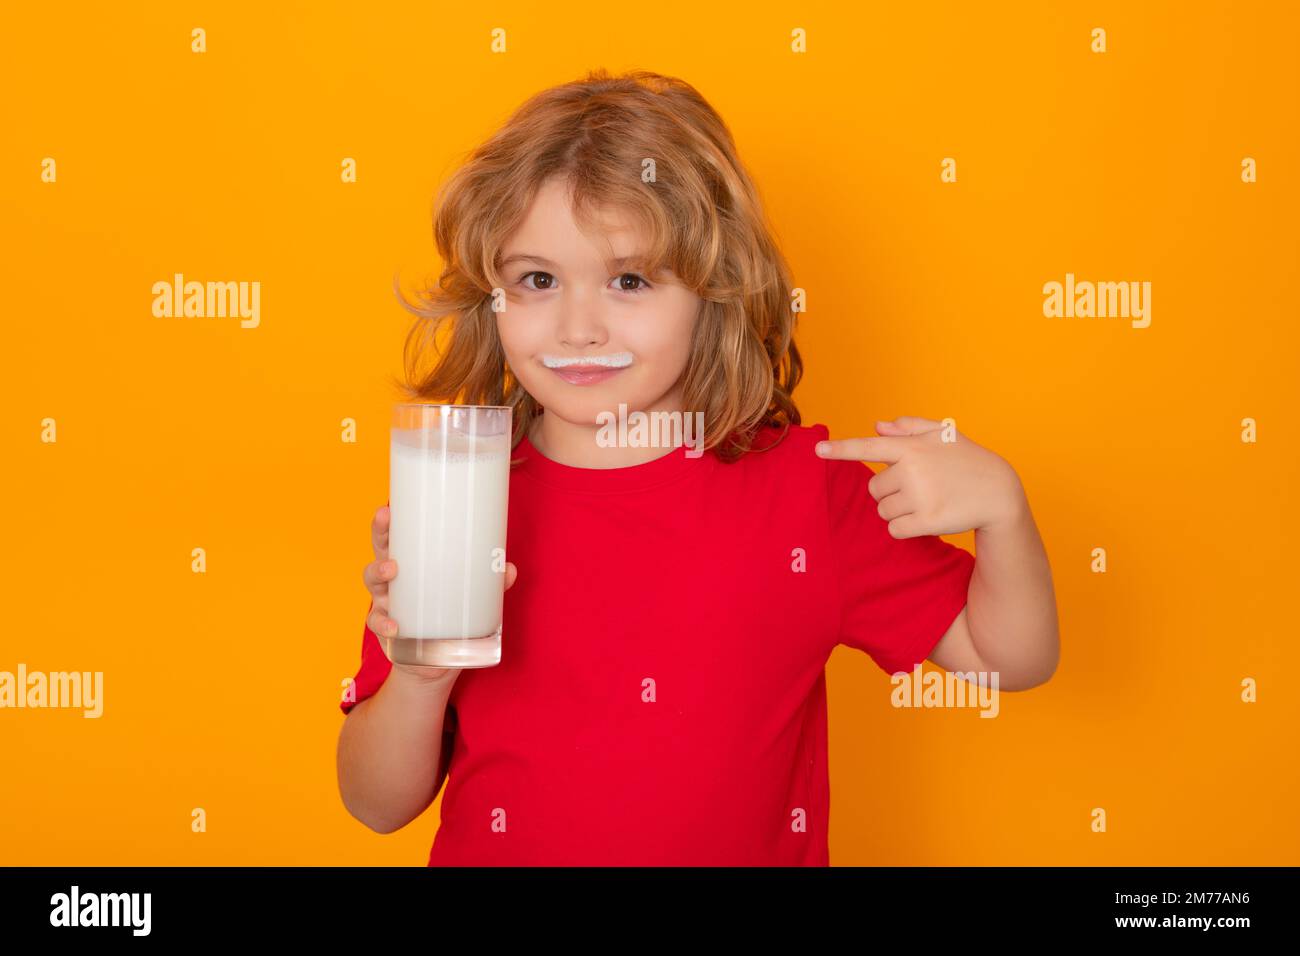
x,y
937,481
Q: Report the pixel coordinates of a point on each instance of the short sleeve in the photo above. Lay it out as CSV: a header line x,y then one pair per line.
x,y
898,596
375,666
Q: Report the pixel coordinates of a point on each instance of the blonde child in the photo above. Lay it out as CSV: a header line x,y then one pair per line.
x,y
661,698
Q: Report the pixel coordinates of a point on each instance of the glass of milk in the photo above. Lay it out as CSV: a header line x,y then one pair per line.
x,y
449,475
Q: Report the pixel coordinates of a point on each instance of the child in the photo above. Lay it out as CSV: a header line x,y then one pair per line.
x,y
661,696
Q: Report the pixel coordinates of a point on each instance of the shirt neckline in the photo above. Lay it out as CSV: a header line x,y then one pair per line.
x,y
649,474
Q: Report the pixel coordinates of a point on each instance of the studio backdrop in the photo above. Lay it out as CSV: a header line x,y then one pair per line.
x,y
1068,227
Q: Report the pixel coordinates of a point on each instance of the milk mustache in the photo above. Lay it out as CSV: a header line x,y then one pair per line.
x,y
448,495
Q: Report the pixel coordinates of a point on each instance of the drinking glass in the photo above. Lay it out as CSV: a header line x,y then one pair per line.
x,y
449,479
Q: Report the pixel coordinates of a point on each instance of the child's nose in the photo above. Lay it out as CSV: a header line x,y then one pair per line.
x,y
582,321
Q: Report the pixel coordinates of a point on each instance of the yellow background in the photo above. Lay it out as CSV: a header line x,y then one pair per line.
x,y
221,689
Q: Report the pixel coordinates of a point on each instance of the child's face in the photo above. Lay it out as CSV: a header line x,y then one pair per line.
x,y
576,305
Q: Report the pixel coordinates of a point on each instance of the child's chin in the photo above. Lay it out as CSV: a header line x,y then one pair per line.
x,y
595,408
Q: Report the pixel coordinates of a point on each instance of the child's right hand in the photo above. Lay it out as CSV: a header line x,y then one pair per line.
x,y
377,575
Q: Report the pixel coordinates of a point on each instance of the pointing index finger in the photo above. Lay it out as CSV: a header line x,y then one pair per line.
x,y
883,448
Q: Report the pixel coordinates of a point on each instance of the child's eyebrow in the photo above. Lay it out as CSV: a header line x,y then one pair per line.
x,y
523,255
635,259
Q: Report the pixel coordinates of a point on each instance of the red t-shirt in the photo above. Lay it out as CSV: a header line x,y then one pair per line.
x,y
661,696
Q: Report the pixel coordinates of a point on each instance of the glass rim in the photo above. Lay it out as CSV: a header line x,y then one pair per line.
x,y
500,408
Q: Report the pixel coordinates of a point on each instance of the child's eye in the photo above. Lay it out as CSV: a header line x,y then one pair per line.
x,y
549,278
638,284
632,275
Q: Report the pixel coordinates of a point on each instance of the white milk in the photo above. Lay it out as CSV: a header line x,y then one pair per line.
x,y
448,537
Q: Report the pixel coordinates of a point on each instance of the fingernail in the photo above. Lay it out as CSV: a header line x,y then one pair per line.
x,y
823,447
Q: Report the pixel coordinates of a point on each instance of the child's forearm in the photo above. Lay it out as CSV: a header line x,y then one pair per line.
x,y
1011,604
389,751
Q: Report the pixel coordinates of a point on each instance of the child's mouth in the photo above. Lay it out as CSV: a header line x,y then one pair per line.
x,y
586,374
